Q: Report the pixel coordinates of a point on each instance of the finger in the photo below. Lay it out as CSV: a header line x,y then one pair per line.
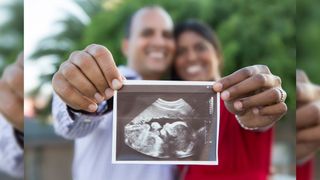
x,y
123,77
20,60
309,135
107,65
276,109
90,69
71,96
308,115
110,92
253,121
13,77
307,92
11,106
304,150
265,98
302,76
79,81
238,76
251,85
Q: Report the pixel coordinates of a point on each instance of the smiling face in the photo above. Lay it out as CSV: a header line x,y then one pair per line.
x,y
196,58
151,46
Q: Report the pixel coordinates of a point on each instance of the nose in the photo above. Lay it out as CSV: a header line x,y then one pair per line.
x,y
158,40
191,56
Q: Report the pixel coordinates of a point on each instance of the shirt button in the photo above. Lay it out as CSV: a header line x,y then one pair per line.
x,y
87,120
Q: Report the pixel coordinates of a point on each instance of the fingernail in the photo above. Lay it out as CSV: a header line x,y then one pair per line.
x,y
116,84
98,97
109,93
255,111
217,87
225,95
93,107
238,105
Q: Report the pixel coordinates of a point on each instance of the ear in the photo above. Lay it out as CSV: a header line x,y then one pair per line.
x,y
124,47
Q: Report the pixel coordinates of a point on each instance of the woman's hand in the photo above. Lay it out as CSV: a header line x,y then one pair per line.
x,y
254,95
307,117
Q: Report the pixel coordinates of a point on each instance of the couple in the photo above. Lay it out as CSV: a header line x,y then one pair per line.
x,y
11,120
252,100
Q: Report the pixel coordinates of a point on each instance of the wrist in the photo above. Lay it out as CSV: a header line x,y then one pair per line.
x,y
103,108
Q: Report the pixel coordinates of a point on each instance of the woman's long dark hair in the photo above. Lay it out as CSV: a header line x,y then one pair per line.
x,y
204,31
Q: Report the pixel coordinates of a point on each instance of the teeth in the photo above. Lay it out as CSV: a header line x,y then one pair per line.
x,y
156,55
194,69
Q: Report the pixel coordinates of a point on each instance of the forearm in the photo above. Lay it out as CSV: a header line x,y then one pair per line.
x,y
72,125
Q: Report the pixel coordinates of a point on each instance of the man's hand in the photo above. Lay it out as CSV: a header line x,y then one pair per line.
x,y
11,94
87,78
307,117
255,95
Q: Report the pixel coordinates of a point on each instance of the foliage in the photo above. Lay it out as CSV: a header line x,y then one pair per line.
x,y
251,32
308,39
11,33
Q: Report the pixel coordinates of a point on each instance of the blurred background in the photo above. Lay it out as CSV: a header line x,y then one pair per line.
x,y
11,37
251,32
11,31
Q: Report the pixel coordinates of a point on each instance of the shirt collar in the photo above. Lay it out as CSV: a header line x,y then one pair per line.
x,y
129,73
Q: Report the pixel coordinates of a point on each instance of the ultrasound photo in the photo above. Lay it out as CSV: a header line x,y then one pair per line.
x,y
166,122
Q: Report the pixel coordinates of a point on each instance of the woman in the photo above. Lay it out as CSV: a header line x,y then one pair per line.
x,y
244,144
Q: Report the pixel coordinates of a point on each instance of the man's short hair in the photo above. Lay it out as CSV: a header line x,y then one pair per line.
x,y
127,28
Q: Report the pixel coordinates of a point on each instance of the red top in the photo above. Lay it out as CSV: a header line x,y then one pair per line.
x,y
243,154
304,172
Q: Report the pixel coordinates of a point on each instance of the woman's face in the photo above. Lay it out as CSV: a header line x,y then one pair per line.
x,y
196,58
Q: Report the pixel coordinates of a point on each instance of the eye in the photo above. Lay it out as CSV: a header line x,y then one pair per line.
x,y
147,32
167,35
200,47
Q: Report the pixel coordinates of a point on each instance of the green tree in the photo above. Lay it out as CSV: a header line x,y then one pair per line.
x,y
308,39
11,33
251,32
59,45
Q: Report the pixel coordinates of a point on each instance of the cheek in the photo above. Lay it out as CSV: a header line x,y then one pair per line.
x,y
210,60
141,44
138,45
206,59
180,65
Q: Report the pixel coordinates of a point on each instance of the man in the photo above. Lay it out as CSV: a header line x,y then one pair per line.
x,y
308,125
85,83
11,121
89,77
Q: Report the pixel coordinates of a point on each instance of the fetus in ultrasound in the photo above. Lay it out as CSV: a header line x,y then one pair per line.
x,y
163,130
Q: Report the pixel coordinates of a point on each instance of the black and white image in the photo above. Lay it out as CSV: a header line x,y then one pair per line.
x,y
166,122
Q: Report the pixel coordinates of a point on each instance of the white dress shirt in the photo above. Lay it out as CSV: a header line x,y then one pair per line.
x,y
11,154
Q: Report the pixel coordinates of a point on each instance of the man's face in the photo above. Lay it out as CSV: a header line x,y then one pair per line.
x,y
151,45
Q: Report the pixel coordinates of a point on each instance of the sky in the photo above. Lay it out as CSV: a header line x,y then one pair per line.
x,y
40,21
3,13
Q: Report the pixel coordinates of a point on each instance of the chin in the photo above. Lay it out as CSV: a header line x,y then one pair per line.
x,y
192,78
158,68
